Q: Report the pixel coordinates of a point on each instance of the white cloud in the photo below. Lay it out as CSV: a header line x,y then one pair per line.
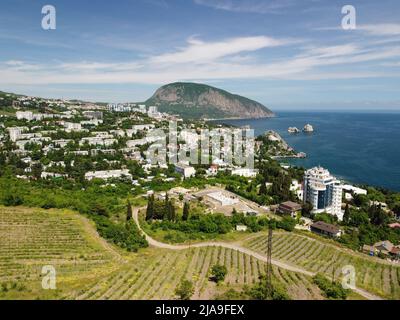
x,y
198,51
387,29
211,61
253,6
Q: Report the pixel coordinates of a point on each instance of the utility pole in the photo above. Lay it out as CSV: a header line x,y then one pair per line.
x,y
269,287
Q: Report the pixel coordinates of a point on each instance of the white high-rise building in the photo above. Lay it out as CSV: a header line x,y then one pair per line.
x,y
323,191
15,133
152,111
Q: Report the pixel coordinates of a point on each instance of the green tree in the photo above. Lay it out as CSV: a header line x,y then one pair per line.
x,y
185,214
129,214
150,208
185,290
306,210
347,213
170,213
219,273
37,170
261,292
287,223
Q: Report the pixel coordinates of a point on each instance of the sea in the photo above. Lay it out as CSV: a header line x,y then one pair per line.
x,y
359,148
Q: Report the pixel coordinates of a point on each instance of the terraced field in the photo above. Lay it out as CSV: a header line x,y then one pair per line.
x,y
89,268
156,276
33,238
318,256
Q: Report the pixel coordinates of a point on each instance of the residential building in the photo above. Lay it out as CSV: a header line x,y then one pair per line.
x,y
142,127
326,229
24,115
70,126
323,191
108,174
245,172
223,199
152,111
241,228
15,133
93,115
62,143
290,208
383,248
185,170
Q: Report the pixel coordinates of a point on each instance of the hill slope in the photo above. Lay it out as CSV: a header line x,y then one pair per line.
x,y
196,101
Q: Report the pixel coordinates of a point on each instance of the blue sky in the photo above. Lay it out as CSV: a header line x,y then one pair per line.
x,y
286,54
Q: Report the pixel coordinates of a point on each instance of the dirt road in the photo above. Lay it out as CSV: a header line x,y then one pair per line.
x,y
233,246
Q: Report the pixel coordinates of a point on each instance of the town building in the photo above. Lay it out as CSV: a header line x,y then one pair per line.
x,y
108,174
326,229
241,228
15,133
222,199
93,115
70,126
142,127
185,170
383,248
290,208
245,172
24,115
323,192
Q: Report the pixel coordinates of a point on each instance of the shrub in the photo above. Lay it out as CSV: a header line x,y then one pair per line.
x,y
185,290
332,290
219,273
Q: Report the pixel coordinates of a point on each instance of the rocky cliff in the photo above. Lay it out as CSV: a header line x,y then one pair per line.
x,y
192,100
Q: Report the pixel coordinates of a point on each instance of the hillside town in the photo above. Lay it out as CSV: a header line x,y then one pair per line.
x,y
110,143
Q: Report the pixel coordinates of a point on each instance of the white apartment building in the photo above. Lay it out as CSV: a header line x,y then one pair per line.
x,y
97,141
62,143
24,115
245,172
70,126
15,133
185,170
223,199
108,174
142,127
323,191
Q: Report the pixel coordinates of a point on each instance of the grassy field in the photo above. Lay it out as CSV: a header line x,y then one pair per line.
x,y
89,268
372,274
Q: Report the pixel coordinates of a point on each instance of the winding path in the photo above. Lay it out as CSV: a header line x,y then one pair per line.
x,y
236,247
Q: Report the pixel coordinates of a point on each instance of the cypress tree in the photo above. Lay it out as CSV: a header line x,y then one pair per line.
x,y
129,214
185,214
346,216
150,208
171,211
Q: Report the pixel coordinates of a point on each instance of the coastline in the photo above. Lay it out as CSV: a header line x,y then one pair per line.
x,y
353,145
234,118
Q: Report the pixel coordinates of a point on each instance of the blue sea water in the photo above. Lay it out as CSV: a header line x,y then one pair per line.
x,y
361,148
